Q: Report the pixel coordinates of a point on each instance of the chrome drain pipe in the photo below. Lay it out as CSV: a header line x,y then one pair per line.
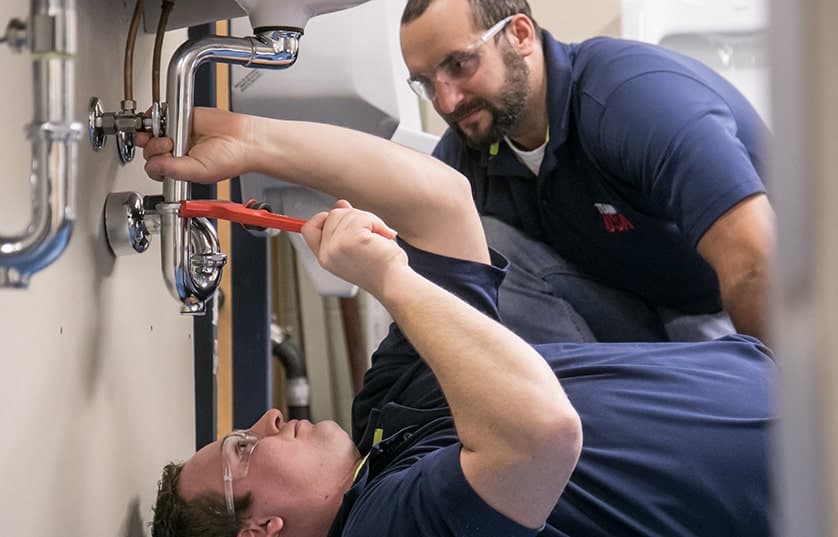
x,y
191,260
50,36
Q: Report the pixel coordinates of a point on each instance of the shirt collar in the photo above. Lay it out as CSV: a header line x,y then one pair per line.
x,y
559,84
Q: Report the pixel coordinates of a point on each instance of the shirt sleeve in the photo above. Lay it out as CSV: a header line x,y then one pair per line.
x,y
675,139
431,497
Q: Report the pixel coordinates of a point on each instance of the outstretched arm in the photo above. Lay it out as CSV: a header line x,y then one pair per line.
x,y
429,203
519,447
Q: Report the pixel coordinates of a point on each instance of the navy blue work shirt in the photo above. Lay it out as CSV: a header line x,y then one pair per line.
x,y
647,149
675,437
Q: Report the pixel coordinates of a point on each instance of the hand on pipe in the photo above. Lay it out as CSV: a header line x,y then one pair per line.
x,y
219,149
355,245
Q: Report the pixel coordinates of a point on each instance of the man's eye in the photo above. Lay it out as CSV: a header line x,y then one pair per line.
x,y
455,68
461,67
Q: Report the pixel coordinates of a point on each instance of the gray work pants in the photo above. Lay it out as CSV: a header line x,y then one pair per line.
x,y
546,299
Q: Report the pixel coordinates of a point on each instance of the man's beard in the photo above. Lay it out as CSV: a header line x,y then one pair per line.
x,y
504,112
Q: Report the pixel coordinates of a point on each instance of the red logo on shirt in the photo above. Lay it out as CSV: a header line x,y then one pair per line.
x,y
614,221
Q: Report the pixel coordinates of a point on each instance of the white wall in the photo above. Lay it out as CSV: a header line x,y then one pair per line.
x,y
96,380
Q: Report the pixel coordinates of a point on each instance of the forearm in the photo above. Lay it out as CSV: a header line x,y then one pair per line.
x,y
426,201
746,301
740,247
504,397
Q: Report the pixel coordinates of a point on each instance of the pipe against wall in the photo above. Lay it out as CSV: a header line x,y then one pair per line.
x,y
53,135
128,65
158,48
297,389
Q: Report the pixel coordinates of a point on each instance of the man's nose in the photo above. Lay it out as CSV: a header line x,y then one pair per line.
x,y
269,424
448,96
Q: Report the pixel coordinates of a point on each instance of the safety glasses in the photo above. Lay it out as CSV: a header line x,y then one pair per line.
x,y
458,66
236,449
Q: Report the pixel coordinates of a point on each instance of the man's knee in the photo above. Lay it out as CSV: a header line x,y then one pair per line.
x,y
528,254
501,235
546,296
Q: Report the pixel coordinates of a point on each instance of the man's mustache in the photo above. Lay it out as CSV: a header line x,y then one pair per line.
x,y
465,109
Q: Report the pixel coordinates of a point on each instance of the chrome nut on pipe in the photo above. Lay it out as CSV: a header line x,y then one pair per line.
x,y
205,269
207,264
193,250
127,223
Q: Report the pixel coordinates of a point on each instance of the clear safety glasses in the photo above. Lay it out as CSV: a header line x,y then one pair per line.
x,y
458,66
236,449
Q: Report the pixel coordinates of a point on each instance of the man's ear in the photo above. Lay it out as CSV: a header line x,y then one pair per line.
x,y
522,34
270,527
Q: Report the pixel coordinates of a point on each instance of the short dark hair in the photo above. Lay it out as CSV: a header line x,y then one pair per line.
x,y
204,516
485,13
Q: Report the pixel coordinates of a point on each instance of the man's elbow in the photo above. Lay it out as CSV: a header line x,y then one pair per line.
x,y
560,439
569,434
460,188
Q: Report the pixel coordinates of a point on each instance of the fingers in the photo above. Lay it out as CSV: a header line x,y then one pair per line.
x,y
376,225
318,220
361,221
156,152
354,224
313,231
354,245
327,232
333,228
160,167
156,146
159,160
142,138
380,228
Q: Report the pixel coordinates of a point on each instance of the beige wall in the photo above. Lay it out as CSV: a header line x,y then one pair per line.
x,y
96,381
567,21
574,21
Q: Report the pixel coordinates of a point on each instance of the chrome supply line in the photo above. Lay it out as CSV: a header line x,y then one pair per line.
x,y
50,34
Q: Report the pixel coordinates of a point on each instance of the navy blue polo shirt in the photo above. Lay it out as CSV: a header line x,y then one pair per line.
x,y
675,436
647,149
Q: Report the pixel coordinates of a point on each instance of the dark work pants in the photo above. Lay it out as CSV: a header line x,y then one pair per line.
x,y
546,299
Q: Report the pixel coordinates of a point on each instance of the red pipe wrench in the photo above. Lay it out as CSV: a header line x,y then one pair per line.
x,y
239,213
